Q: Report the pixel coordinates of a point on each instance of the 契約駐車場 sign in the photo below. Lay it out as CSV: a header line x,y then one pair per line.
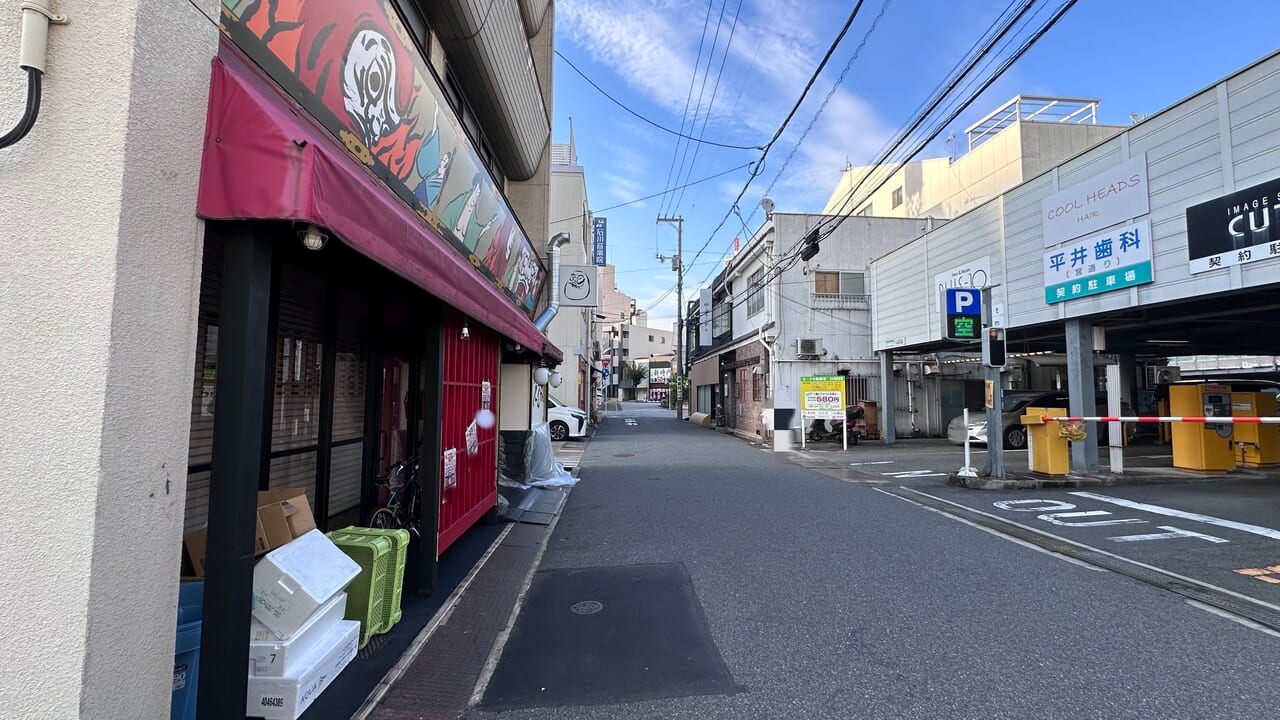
x,y
1113,260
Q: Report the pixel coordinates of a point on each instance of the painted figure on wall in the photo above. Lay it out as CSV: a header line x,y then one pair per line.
x,y
504,242
353,65
433,166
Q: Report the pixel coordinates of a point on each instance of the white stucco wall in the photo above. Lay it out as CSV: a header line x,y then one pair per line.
x,y
99,270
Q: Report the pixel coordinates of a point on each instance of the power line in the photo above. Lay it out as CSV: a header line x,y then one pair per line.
x,y
933,106
715,90
825,101
1004,66
782,128
650,197
661,127
684,114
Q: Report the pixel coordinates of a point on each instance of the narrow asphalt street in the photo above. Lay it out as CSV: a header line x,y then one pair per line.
x,y
830,598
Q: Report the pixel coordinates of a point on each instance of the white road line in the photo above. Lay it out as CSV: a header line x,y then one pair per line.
x,y
1091,548
1197,517
997,533
914,473
1233,617
874,462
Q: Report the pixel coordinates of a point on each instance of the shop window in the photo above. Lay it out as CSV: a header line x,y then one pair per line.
x,y
346,460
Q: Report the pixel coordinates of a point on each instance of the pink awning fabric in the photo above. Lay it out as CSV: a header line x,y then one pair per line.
x,y
266,158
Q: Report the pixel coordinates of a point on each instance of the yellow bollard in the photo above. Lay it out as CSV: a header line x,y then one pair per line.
x,y
1047,452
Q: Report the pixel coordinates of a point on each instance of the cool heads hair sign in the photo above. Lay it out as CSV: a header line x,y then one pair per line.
x,y
1113,196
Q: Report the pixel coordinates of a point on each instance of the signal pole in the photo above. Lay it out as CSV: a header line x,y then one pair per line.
x,y
677,264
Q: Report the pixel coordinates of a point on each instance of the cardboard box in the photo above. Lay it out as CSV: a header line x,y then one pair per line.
x,y
292,582
286,698
282,516
270,656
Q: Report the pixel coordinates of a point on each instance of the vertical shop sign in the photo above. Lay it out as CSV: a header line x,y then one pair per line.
x,y
486,395
599,233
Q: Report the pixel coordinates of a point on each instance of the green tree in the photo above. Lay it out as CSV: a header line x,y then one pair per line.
x,y
636,372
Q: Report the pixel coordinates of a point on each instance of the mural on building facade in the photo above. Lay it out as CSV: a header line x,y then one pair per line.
x,y
353,66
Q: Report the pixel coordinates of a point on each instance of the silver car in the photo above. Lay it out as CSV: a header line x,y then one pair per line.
x,y
1012,406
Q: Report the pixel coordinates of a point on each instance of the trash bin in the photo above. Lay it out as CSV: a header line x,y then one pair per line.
x,y
186,651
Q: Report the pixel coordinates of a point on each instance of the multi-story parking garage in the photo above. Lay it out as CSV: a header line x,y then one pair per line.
x,y
1158,242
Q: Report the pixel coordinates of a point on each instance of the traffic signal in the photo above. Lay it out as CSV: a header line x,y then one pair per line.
x,y
993,348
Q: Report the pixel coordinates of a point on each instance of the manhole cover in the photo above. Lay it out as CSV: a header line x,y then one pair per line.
x,y
587,607
625,455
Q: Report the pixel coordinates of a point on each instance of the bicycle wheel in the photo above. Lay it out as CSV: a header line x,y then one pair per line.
x,y
383,519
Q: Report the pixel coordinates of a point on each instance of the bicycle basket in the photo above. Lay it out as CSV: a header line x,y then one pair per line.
x,y
398,477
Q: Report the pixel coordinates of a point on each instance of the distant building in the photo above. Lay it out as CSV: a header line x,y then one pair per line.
x,y
1018,141
571,330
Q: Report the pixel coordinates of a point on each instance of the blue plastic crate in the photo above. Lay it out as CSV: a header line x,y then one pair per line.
x,y
186,651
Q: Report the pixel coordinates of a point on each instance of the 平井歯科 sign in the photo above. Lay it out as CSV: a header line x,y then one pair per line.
x,y
1116,259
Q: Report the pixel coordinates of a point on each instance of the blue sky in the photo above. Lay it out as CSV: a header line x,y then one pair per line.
x,y
1136,56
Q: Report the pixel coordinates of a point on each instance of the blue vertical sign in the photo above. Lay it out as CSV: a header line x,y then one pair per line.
x,y
598,238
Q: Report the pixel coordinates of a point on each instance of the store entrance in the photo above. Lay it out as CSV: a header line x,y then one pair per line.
x,y
394,417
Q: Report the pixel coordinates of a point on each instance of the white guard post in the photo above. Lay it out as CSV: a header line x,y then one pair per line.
x,y
1116,430
967,470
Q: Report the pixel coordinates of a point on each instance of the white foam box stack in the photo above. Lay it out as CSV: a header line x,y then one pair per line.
x,y
272,656
286,698
291,582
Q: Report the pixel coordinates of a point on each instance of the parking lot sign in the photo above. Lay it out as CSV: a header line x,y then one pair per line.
x,y
964,314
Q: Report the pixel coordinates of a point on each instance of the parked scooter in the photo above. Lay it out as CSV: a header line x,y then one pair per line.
x,y
833,430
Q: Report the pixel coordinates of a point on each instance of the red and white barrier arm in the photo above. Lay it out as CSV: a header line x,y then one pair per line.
x,y
1168,419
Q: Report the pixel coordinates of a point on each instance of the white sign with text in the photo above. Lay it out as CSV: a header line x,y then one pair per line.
x,y
1108,198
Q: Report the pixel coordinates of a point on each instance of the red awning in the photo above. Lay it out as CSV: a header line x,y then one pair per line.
x,y
265,158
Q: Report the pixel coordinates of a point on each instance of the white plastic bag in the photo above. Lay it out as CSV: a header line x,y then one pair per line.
x,y
544,469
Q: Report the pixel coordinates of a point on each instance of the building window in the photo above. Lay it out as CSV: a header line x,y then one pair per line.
x,y
742,383
755,296
897,198
839,283
650,338
866,211
755,386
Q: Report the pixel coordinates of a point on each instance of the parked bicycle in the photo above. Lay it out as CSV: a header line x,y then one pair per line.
x,y
404,498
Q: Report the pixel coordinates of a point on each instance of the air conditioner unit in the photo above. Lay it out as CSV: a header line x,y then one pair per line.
x,y
809,347
1162,374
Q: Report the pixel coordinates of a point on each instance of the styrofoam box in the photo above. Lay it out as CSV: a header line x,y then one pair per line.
x,y
292,582
286,698
270,656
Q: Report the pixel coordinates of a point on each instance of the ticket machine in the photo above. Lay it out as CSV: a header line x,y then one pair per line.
x,y
1202,447
1256,445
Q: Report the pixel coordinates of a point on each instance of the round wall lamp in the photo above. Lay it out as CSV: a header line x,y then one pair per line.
x,y
542,376
556,379
313,238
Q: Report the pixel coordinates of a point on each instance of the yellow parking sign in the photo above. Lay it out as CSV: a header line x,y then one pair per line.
x,y
822,397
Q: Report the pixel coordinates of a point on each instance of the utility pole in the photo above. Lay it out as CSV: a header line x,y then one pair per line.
x,y
677,264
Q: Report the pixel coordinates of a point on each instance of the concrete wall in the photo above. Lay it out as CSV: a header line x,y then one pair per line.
x,y
571,328
99,269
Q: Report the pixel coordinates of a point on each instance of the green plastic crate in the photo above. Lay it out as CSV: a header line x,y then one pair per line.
x,y
366,594
394,588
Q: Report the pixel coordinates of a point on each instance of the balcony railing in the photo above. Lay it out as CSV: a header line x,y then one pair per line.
x,y
839,301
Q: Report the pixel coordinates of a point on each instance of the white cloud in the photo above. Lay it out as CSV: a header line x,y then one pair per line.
x,y
623,189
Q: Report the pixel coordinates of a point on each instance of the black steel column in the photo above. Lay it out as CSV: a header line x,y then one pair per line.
x,y
421,575
374,361
328,373
246,351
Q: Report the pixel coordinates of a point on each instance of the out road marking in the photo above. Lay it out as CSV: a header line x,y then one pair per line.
x,y
914,473
1169,512
1061,518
